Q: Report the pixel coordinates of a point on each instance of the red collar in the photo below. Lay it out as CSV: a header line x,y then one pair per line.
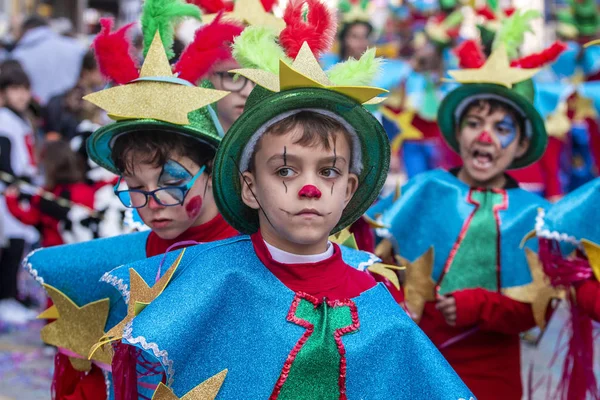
x,y
313,278
211,231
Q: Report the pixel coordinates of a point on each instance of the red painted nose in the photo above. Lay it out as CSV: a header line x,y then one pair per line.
x,y
486,138
310,192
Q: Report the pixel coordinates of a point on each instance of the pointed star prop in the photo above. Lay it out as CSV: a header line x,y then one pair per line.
x,y
140,295
419,287
388,271
250,12
404,122
76,328
496,70
356,14
207,390
538,293
344,238
592,43
305,72
157,94
592,251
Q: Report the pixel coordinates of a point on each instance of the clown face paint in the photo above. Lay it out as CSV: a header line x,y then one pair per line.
x,y
488,144
170,222
299,215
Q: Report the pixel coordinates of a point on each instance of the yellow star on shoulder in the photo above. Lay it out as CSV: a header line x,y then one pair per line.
x,y
207,390
250,12
419,287
344,238
538,293
76,328
592,251
305,72
157,94
496,70
140,295
592,43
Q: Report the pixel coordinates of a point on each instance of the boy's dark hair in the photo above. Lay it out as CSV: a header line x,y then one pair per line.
x,y
156,148
317,130
493,106
61,164
88,62
12,74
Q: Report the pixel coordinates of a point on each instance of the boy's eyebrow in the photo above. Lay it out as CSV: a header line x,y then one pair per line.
x,y
330,160
283,157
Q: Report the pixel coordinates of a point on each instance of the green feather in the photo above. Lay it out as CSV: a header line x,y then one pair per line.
x,y
364,4
454,19
512,32
360,72
161,16
257,48
345,6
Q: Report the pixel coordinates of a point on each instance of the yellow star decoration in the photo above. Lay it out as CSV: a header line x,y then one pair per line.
x,y
496,70
404,122
558,123
538,293
207,390
153,96
250,12
76,328
419,288
140,295
356,14
305,72
344,238
584,108
592,43
592,251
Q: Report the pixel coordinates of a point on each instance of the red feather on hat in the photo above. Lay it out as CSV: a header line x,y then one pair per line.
x,y
268,4
318,30
538,60
212,6
113,54
211,44
469,54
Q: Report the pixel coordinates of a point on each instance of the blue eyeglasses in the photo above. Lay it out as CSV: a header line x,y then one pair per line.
x,y
167,196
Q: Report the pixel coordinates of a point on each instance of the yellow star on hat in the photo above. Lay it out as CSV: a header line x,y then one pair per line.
x,y
305,72
76,328
207,390
250,12
157,94
496,70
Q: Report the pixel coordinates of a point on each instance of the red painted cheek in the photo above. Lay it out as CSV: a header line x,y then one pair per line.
x,y
193,206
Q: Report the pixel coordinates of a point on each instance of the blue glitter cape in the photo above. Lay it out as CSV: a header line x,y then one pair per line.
x,y
432,210
224,309
573,218
76,269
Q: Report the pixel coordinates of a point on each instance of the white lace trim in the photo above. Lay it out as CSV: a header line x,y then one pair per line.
x,y
118,284
162,355
107,383
553,235
372,260
32,271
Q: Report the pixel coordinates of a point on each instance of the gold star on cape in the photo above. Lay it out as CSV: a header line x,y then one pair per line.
x,y
140,295
207,390
404,122
538,293
305,72
76,328
250,12
418,286
496,70
592,251
155,95
592,43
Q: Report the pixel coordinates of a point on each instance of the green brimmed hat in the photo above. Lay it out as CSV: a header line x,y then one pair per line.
x,y
303,86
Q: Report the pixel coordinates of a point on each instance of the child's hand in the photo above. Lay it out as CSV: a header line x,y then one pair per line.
x,y
447,306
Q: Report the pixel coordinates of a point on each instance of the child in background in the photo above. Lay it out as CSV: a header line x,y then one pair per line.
x,y
64,178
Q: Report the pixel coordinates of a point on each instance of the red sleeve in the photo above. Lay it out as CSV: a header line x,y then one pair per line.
x,y
82,194
588,299
31,216
492,311
550,167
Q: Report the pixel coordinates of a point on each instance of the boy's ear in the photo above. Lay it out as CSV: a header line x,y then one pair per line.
x,y
248,192
522,147
351,188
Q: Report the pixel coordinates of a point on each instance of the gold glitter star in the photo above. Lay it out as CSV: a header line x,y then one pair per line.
x,y
140,295
496,70
418,286
207,390
592,43
356,14
156,95
344,238
76,328
250,12
538,293
305,72
592,251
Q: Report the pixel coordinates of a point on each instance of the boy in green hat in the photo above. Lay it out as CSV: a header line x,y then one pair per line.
x,y
469,284
294,319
